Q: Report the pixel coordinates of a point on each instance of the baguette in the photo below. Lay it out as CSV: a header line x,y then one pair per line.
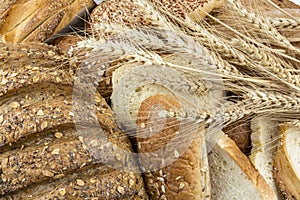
x,y
287,162
232,174
185,177
38,20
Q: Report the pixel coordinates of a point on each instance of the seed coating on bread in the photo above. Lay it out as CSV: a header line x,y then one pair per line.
x,y
43,153
181,177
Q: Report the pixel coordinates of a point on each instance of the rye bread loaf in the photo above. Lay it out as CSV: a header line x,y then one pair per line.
x,y
287,162
37,20
42,148
232,174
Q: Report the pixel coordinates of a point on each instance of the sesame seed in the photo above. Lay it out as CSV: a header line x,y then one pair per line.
x,y
80,182
181,186
120,189
176,154
163,190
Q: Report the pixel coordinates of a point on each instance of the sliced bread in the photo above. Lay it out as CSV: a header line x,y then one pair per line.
x,y
287,162
264,139
232,174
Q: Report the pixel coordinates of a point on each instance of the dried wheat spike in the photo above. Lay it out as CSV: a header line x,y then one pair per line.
x,y
284,23
262,24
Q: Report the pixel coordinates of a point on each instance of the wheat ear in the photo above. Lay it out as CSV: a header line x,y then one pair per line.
x,y
257,102
284,23
263,25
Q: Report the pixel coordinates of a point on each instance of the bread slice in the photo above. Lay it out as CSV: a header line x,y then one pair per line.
x,y
232,174
287,162
239,131
265,140
98,182
151,99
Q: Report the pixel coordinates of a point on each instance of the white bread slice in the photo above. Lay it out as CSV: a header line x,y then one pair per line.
x,y
233,176
287,162
264,139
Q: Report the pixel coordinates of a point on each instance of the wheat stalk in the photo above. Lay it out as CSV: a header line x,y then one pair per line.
x,y
256,102
231,52
267,60
261,24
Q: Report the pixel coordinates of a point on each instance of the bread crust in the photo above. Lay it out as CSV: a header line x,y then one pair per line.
x,y
186,177
38,20
284,174
244,163
239,131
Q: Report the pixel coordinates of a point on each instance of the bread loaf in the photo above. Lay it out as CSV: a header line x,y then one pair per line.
x,y
185,175
38,20
196,10
44,155
287,162
142,93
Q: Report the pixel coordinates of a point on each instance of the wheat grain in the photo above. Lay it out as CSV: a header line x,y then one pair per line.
x,y
283,23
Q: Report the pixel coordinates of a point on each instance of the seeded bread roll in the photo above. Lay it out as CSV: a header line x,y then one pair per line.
x,y
186,176
287,162
42,147
38,20
233,176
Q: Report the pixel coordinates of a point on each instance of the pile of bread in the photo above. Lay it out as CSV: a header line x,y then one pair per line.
x,y
44,155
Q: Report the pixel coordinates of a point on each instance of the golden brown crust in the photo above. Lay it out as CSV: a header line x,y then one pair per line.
x,y
284,174
239,132
39,20
244,163
181,179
